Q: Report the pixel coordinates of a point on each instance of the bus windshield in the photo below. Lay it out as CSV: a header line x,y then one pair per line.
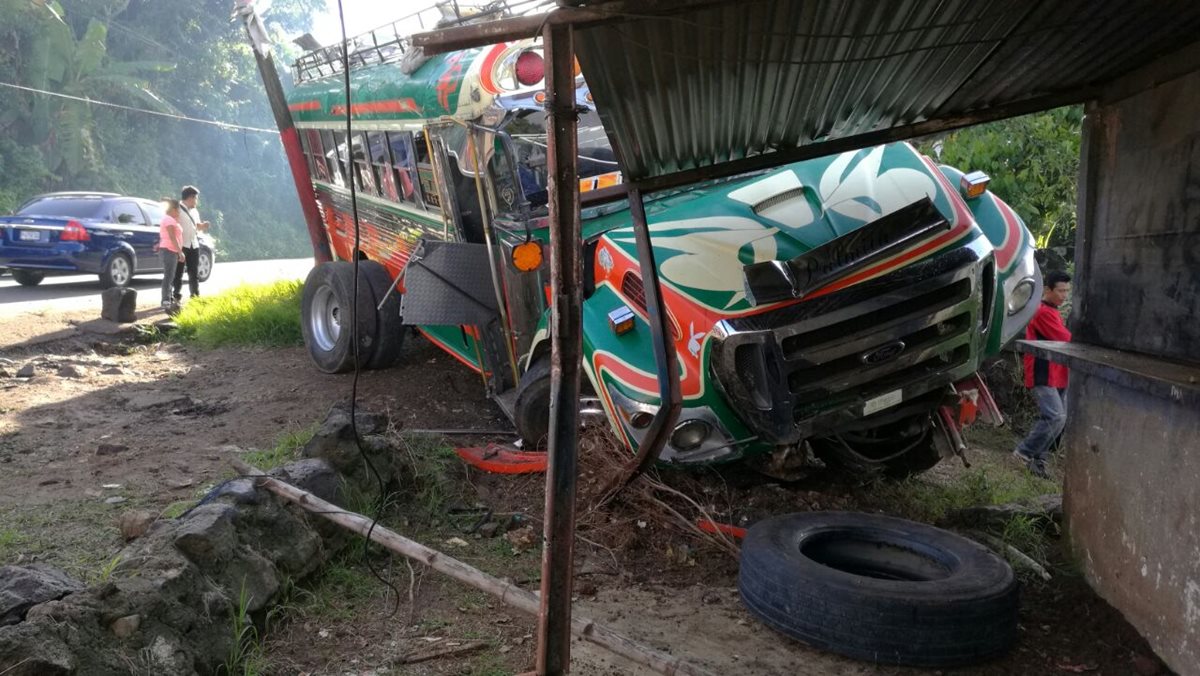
x,y
528,133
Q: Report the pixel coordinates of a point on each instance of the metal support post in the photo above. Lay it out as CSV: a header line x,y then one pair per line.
x,y
566,354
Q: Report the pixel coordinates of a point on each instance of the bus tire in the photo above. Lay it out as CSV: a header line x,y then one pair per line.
x,y
532,408
879,589
325,311
389,326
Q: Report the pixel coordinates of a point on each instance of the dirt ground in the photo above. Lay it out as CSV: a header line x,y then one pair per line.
x,y
107,424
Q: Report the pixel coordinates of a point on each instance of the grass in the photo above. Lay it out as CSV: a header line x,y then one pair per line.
x,y
924,500
250,314
431,483
285,449
245,652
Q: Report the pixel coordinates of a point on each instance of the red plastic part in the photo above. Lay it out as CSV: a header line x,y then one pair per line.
x,y
710,526
497,459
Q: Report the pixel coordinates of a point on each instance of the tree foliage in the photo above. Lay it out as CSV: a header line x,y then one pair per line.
x,y
174,57
1033,162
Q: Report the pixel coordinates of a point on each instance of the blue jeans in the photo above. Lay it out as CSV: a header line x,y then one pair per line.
x,y
170,260
1052,403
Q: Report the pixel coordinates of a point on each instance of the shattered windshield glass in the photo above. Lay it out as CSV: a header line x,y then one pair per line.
x,y
528,132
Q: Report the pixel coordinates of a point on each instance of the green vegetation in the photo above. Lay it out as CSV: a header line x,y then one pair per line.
x,y
432,485
250,314
1033,161
181,58
285,449
922,499
245,656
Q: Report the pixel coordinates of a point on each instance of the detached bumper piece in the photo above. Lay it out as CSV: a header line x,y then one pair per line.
x,y
775,281
867,353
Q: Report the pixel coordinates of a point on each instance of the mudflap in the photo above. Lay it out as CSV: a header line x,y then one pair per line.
x,y
498,459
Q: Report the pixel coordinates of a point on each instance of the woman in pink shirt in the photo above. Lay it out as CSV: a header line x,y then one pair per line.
x,y
170,247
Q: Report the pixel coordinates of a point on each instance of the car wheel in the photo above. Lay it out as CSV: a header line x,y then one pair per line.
x,y
325,311
532,407
389,326
204,265
879,589
28,277
117,272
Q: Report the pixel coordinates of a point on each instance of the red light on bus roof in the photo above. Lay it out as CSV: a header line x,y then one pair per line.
x,y
530,68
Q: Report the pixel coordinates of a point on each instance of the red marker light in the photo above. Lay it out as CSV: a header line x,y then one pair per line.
x,y
530,68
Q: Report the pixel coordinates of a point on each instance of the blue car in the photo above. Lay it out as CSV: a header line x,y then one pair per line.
x,y
71,233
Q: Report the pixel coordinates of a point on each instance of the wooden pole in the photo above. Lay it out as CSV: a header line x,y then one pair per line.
x,y
507,592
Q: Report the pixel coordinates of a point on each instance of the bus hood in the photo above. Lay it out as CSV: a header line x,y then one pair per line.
x,y
703,245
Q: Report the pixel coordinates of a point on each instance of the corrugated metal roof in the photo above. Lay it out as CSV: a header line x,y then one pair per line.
x,y
702,87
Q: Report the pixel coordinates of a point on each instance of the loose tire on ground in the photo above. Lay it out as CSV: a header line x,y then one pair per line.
x,y
28,277
532,407
389,326
325,312
879,589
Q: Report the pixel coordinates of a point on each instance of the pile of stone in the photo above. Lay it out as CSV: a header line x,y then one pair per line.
x,y
167,608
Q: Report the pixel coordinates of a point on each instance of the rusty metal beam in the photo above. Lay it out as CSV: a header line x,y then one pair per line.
x,y
566,353
502,30
659,430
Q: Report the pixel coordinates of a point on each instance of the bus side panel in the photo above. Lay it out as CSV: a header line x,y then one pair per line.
x,y
387,234
461,342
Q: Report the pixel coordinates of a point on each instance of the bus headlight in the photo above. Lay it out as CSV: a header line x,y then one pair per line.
x,y
689,434
1019,298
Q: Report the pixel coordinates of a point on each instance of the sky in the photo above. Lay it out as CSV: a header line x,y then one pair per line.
x,y
364,15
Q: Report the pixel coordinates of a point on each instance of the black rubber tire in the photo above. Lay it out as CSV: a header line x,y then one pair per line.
x,y
28,277
532,407
106,278
389,326
948,602
338,278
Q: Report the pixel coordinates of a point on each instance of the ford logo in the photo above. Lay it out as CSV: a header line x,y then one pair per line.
x,y
883,354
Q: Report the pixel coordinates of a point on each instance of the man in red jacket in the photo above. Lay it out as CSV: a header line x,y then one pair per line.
x,y
1047,379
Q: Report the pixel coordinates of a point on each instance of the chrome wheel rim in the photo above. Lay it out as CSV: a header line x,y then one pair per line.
x,y
325,319
204,266
118,270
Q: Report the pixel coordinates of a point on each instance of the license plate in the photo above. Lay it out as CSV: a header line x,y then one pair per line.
x,y
29,235
883,401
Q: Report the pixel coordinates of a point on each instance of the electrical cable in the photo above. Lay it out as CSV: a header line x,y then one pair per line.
x,y
84,99
379,507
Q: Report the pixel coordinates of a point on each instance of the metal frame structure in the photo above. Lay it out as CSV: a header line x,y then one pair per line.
x,y
1005,57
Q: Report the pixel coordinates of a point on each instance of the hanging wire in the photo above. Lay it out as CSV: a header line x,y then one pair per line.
x,y
173,116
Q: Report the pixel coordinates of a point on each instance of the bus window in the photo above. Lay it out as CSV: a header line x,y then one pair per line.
x,y
428,185
598,166
365,180
404,166
381,165
316,157
331,143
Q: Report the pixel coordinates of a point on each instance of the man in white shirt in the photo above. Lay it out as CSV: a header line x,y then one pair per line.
x,y
189,220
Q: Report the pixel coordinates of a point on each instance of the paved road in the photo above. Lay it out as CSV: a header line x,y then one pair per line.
x,y
70,294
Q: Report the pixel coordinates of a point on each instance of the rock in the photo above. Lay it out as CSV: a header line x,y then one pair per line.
x,y
113,371
124,627
135,523
242,492
5,373
22,587
119,304
313,475
522,539
114,500
26,650
145,400
207,534
71,371
489,529
110,449
1046,508
27,371
334,442
457,542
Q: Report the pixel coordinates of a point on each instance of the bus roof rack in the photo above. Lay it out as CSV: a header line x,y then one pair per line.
x,y
388,43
